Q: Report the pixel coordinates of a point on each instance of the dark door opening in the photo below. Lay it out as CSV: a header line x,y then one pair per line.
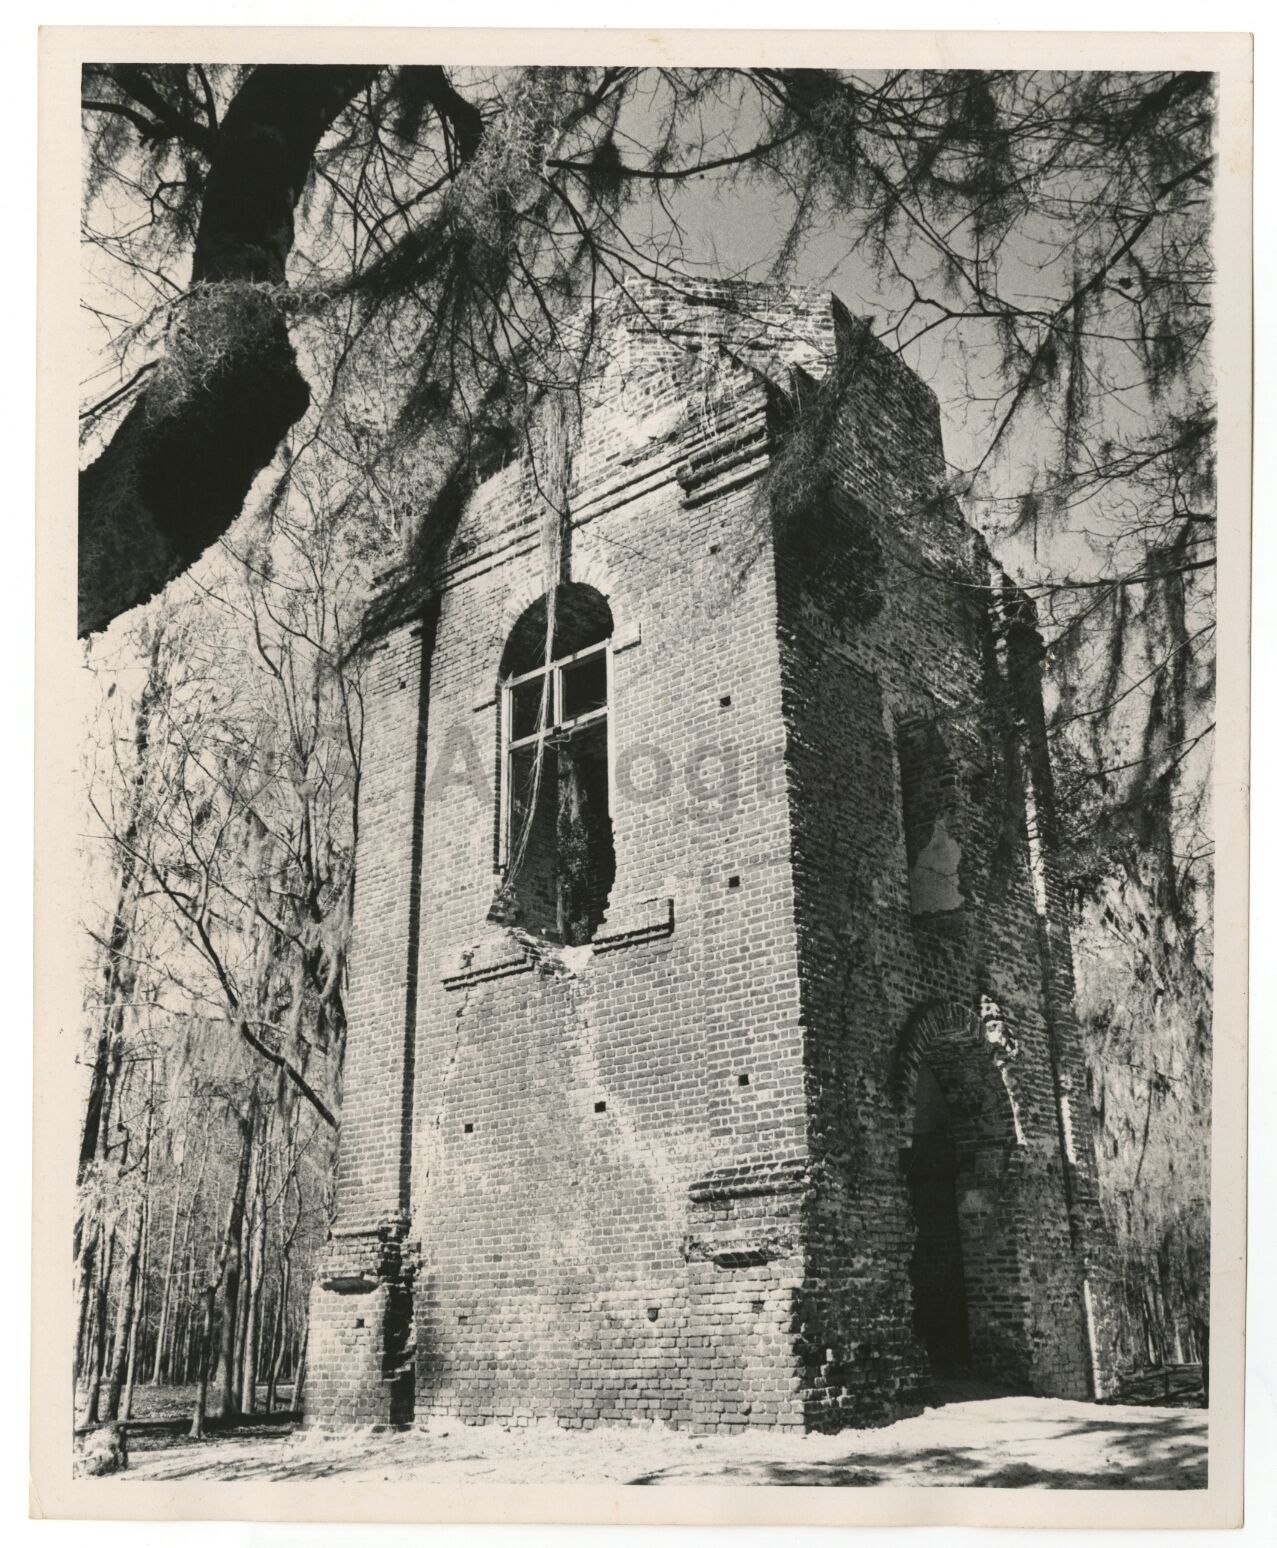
x,y
935,1271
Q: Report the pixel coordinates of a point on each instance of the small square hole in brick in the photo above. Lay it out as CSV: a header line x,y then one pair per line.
x,y
733,882
755,1306
653,1312
726,701
600,1107
359,1322
713,548
743,1080
468,1128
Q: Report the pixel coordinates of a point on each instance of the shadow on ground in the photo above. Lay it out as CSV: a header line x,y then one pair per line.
x,y
1001,1442
1167,1454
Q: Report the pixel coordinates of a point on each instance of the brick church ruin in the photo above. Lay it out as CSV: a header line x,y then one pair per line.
x,y
712,1055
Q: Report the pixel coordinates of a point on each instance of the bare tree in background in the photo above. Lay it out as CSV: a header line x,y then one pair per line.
x,y
226,815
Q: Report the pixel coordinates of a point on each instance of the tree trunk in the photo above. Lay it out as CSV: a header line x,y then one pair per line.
x,y
209,1297
224,1398
166,1292
137,1322
243,1330
241,1323
97,1359
120,979
279,1341
256,1265
86,1269
175,473
183,1362
174,476
110,1053
124,1315
218,1276
187,1256
105,1079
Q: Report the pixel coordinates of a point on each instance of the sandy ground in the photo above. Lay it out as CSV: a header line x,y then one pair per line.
x,y
1002,1442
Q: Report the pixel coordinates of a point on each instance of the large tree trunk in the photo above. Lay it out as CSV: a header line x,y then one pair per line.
x,y
175,473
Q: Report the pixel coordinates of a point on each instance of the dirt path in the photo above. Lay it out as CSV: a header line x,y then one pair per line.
x,y
1006,1442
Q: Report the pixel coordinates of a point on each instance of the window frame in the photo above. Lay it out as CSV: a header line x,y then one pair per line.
x,y
554,727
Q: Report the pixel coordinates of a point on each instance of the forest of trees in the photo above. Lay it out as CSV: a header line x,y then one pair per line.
x,y
323,303
222,777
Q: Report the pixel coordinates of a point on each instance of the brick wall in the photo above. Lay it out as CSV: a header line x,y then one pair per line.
x,y
659,1175
921,648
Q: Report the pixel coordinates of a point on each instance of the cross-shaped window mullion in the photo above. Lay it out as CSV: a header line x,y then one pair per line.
x,y
559,661
558,727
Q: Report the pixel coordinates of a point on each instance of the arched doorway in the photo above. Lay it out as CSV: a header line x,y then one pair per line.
x,y
935,1269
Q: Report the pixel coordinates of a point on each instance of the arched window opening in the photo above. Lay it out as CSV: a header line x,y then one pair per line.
x,y
582,618
935,1271
556,854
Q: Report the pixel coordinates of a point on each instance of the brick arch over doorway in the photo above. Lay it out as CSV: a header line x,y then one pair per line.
x,y
971,1053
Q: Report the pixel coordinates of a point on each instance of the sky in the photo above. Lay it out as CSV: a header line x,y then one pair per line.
x,y
735,225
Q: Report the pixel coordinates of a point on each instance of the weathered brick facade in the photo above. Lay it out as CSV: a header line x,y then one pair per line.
x,y
823,1039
